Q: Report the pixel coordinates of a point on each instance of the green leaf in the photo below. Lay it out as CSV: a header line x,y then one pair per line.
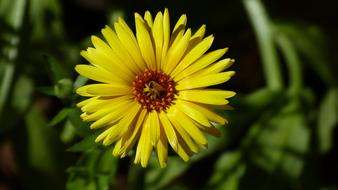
x,y
86,144
80,81
13,13
41,142
228,171
327,120
307,39
81,127
45,17
62,115
261,101
280,141
22,94
68,132
157,178
80,183
63,88
56,70
94,170
107,168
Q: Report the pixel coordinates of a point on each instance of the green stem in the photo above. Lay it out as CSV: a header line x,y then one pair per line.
x,y
262,26
292,61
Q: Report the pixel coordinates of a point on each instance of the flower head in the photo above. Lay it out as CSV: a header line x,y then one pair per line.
x,y
152,87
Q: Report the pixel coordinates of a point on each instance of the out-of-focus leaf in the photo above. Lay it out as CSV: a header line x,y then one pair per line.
x,y
264,34
86,144
280,142
55,69
107,168
62,115
80,183
41,142
13,14
227,172
63,88
68,132
157,178
307,39
45,17
261,101
94,170
80,81
22,93
327,120
81,127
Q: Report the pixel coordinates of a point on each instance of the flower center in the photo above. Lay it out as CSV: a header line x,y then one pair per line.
x,y
154,90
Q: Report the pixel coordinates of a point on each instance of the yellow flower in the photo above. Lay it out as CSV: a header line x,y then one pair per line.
x,y
152,87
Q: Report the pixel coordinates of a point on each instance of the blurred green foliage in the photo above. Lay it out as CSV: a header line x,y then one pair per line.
x,y
281,133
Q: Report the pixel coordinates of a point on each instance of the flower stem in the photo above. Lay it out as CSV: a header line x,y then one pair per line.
x,y
292,61
262,26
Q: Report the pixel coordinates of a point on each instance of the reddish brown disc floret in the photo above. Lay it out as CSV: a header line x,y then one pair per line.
x,y
154,90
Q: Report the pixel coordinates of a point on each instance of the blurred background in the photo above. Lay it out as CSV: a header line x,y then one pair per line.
x,y
282,133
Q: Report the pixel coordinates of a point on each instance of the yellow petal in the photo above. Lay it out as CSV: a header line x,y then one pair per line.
x,y
204,81
148,18
169,130
190,128
176,52
122,127
97,74
144,147
113,116
99,104
201,63
110,63
110,108
162,149
87,101
120,50
82,91
117,148
193,55
145,43
199,34
101,45
216,67
103,48
173,115
154,127
192,113
103,135
129,139
108,89
129,118
178,29
157,31
166,36
210,130
129,42
209,114
206,96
